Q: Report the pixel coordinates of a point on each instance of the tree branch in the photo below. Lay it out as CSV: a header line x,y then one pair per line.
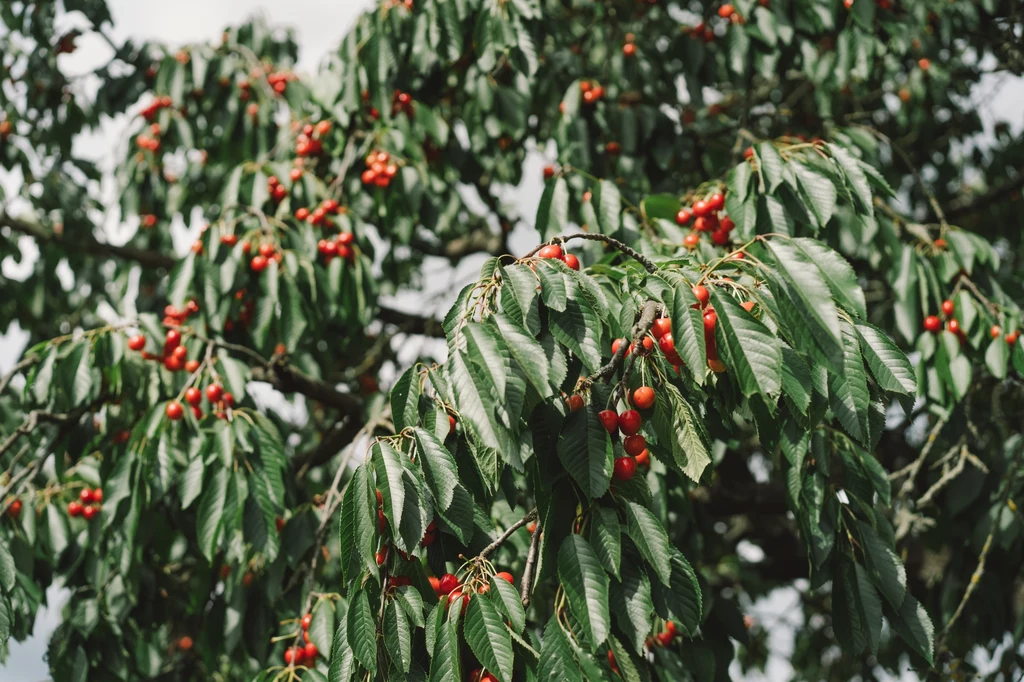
x,y
410,323
481,240
531,566
629,251
23,364
966,206
290,379
530,516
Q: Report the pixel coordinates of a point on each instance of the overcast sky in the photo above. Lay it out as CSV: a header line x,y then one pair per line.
x,y
319,26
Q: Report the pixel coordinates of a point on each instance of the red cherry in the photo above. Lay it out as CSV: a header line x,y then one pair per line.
x,y
382,521
550,251
710,319
748,152
451,424
448,583
947,307
953,326
306,621
609,420
644,458
702,294
617,343
575,402
611,661
629,422
549,172
629,49
185,643
74,508
625,467
266,250
690,241
89,512
727,225
995,331
648,344
717,201
506,576
720,237
193,395
310,652
97,495
707,223
435,584
683,216
85,496
924,63
726,11
293,655
382,556
14,510
1011,338
180,353
634,445
258,263
933,324
667,345
174,411
214,392
172,340
670,628
137,342
302,213
940,244
173,363
572,261
665,638
701,208
661,326
643,397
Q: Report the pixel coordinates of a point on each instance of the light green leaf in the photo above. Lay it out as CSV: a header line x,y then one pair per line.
x,y
808,290
914,627
751,352
405,398
817,191
837,272
680,432
848,390
630,601
884,567
586,587
191,482
507,599
181,280
771,164
439,468
527,352
553,210
890,367
489,639
997,356
854,177
610,207
362,630
650,537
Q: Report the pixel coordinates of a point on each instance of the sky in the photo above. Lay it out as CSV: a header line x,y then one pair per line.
x,y
319,27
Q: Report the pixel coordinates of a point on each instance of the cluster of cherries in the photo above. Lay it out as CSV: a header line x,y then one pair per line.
x,y
150,142
88,504
153,108
629,47
215,394
704,214
279,80
277,191
628,423
555,251
728,11
309,141
174,352
933,324
401,103
260,261
321,215
379,169
338,247
301,655
591,92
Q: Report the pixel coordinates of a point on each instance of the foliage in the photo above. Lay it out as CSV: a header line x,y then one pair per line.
x,y
811,426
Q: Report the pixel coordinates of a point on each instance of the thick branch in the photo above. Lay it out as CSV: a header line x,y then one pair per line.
x,y
411,323
482,240
290,379
88,244
338,436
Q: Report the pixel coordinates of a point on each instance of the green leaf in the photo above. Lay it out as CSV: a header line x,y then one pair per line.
x,y
630,601
556,659
854,177
997,357
362,630
848,390
890,367
405,398
508,600
688,329
321,627
388,468
884,567
397,635
586,451
482,348
606,538
662,206
609,207
293,319
808,291
7,570
439,468
489,639
553,210
209,516
838,273
342,661
771,165
180,280
44,376
817,191
552,285
851,601
266,303
750,352
358,528
235,375
914,627
445,662
80,362
680,432
528,354
474,400
650,537
586,587
579,327
190,485
796,379
683,597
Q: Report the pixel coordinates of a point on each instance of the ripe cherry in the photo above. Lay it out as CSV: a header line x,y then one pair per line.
x,y
644,458
172,340
611,662
214,392
302,213
572,261
506,576
575,402
306,621
940,244
701,208
648,344
720,237
661,326
97,495
74,508
953,326
924,63
747,305
716,365
706,223
382,521
727,225
90,511
382,556
629,49
629,422
293,655
435,584
624,467
258,263
193,396
702,294
748,152
643,397
266,250
137,342
14,510
634,445
933,324
448,583
683,216
717,200
691,240
185,643
665,638
451,424
1011,338
550,251
174,410
726,11
549,172
667,345
995,331
310,652
85,496
617,343
947,307
609,420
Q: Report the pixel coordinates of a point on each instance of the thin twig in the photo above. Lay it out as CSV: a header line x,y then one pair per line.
x,y
648,314
629,251
531,566
911,470
23,364
531,516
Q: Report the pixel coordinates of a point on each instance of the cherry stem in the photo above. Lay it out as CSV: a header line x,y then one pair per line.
x,y
629,251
